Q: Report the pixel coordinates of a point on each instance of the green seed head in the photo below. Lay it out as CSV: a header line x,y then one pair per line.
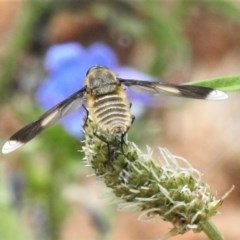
x,y
171,190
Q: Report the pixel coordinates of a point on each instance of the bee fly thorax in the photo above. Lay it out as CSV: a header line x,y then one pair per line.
x,y
102,82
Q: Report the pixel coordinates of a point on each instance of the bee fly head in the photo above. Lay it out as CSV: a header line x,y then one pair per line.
x,y
93,68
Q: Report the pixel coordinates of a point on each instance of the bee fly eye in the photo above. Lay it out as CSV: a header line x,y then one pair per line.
x,y
89,70
93,68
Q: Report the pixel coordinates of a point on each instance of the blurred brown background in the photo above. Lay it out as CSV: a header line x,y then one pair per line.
x,y
205,133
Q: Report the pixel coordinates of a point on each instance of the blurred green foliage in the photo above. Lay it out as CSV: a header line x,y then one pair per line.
x,y
224,83
22,37
9,224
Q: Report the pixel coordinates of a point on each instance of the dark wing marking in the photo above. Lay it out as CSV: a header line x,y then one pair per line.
x,y
188,91
31,130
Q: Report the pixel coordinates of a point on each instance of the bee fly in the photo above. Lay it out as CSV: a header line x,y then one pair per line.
x,y
107,103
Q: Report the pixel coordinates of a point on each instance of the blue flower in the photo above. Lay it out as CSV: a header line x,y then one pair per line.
x,y
67,65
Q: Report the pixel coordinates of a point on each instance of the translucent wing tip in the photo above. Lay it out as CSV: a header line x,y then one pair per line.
x,y
216,95
11,146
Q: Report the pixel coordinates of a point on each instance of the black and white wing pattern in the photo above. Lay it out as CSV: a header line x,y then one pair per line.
x,y
188,91
49,118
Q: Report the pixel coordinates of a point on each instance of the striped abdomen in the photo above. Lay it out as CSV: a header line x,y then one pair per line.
x,y
111,112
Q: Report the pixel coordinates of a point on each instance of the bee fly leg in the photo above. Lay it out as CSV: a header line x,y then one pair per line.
x,y
124,134
86,117
122,141
133,119
108,146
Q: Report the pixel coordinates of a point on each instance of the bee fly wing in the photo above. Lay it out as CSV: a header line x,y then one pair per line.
x,y
189,91
200,92
31,130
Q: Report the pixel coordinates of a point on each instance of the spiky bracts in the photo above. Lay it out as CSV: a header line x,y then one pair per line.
x,y
171,190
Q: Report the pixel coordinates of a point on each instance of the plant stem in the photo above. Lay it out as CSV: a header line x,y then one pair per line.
x,y
211,231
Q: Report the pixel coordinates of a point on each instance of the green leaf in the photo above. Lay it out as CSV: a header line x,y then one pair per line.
x,y
227,83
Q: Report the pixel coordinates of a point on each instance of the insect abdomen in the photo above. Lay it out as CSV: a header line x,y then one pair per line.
x,y
111,112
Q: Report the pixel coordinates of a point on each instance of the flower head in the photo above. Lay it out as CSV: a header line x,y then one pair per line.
x,y
67,65
172,190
